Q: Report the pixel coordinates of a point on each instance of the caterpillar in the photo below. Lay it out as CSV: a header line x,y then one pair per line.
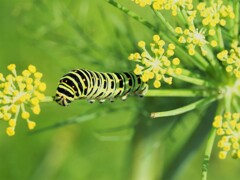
x,y
91,85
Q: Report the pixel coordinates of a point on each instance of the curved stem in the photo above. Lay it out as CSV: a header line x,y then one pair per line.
x,y
207,153
220,38
48,99
181,110
174,93
236,20
210,143
133,15
191,80
165,23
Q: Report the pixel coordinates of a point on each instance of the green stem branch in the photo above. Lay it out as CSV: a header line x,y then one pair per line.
x,y
191,80
236,20
210,143
220,38
133,15
207,153
174,93
184,109
164,22
48,99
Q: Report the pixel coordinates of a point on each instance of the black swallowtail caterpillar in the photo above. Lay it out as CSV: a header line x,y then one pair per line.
x,y
91,85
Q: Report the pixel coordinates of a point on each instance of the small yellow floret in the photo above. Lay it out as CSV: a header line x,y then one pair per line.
x,y
178,71
11,67
214,43
191,52
222,155
6,116
156,84
211,32
12,122
42,87
25,115
145,77
10,131
31,125
176,61
178,30
26,73
38,75
36,109
141,44
171,46
14,108
32,69
156,38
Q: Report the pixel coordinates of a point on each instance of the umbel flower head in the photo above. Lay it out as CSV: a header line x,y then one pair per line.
x,y
20,95
215,14
231,59
172,5
159,64
228,128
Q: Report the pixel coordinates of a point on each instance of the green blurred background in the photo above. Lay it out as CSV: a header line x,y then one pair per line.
x,y
120,141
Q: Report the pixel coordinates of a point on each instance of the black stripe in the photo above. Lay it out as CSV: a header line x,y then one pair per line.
x,y
64,91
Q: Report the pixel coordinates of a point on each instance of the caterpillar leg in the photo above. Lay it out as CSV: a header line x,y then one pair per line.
x,y
123,98
102,100
91,101
112,100
143,92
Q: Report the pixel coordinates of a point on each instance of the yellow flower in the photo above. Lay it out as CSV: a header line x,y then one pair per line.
x,y
231,60
143,3
158,64
215,14
193,37
228,127
20,94
172,5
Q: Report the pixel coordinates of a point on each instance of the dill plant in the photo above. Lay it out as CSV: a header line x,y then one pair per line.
x,y
205,41
200,52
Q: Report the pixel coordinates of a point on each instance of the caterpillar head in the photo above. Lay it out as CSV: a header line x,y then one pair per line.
x,y
65,93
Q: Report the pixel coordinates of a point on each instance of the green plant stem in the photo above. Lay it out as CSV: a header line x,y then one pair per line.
x,y
236,20
174,93
73,120
181,17
48,99
207,153
211,57
220,38
133,15
189,79
201,60
164,22
184,109
210,143
185,16
228,99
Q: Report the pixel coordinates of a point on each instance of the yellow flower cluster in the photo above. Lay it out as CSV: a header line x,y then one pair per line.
x,y
172,5
192,37
228,127
232,59
19,92
143,3
159,64
215,14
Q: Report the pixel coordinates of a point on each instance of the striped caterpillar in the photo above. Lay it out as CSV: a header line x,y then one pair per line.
x,y
91,85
